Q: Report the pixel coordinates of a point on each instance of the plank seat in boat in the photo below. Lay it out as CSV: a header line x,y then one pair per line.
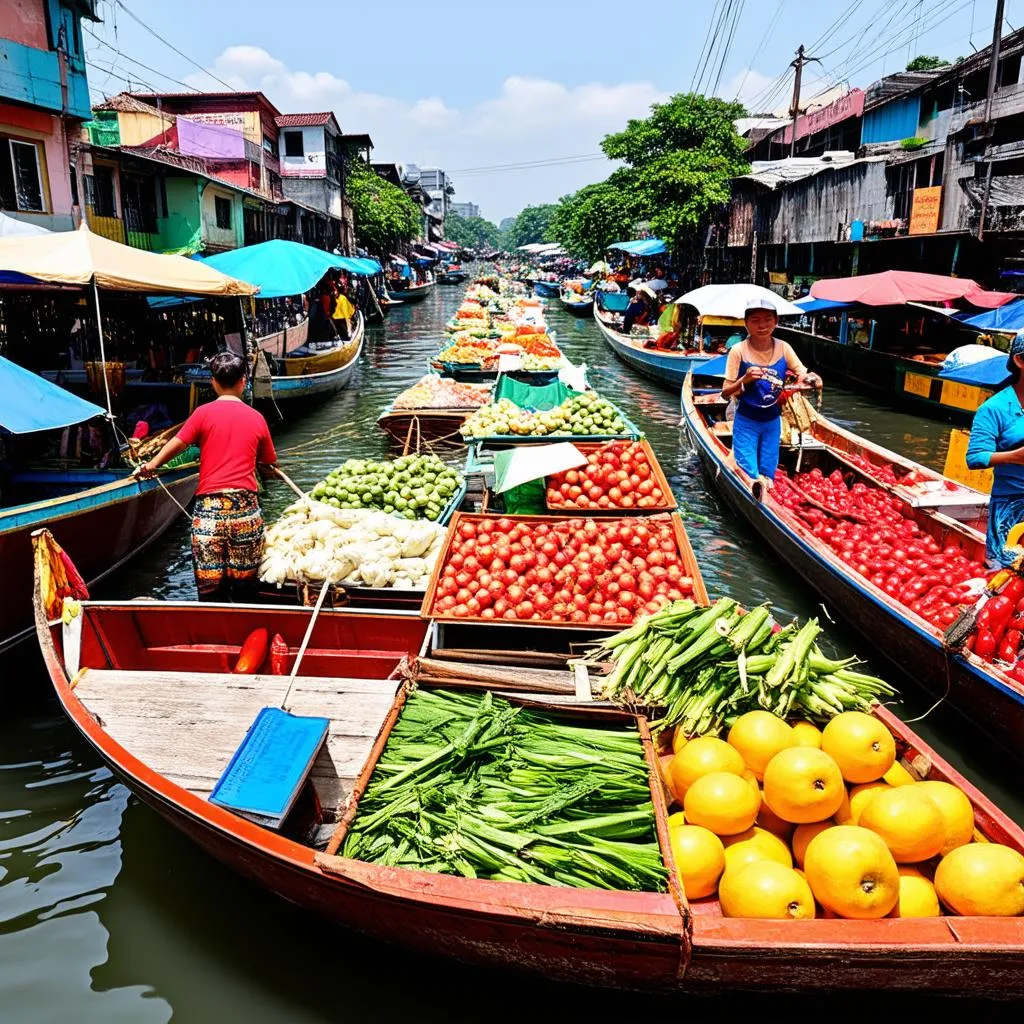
x,y
187,725
722,429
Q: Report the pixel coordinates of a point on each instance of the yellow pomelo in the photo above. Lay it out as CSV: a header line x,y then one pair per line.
x,y
908,822
699,757
956,810
917,894
759,736
766,889
771,822
803,784
804,834
722,802
806,734
679,740
983,879
897,775
859,797
676,819
751,779
699,859
860,744
852,873
754,844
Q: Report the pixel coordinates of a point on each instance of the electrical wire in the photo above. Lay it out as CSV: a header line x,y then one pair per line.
x,y
765,39
728,46
138,63
702,56
723,9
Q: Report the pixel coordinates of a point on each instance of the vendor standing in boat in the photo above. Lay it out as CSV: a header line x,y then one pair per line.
x,y
755,372
227,523
997,443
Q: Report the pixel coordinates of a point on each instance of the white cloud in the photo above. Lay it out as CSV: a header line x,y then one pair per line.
x,y
530,119
748,85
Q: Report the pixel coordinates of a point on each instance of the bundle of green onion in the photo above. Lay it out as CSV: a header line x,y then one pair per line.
x,y
707,666
472,785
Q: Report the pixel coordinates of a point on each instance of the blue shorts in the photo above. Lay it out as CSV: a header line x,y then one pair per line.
x,y
755,444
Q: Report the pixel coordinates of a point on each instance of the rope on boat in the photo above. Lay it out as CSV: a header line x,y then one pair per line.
x,y
941,700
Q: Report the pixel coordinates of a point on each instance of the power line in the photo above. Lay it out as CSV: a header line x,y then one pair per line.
x,y
124,56
765,39
701,57
728,45
131,14
723,10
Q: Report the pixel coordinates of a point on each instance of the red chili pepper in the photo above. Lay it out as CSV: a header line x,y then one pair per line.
x,y
253,652
278,655
1018,672
1014,589
985,644
1013,636
1006,652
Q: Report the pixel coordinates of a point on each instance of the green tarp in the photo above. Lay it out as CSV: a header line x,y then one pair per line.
x,y
531,396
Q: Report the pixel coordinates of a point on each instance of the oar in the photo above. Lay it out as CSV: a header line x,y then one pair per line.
x,y
278,471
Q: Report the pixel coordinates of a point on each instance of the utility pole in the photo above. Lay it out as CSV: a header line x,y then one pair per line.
x,y
993,77
794,111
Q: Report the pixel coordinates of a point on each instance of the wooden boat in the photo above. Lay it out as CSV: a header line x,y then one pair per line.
x,y
410,426
102,517
282,343
582,306
414,293
669,368
308,374
897,378
547,289
980,690
456,275
152,692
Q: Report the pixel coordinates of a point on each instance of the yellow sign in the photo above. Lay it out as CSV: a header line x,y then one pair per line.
x,y
963,396
956,464
917,384
777,277
926,210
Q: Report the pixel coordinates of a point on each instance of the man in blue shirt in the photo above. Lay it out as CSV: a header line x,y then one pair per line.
x,y
997,443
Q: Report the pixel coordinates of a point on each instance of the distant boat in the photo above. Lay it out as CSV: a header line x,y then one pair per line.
x,y
453,274
415,293
665,367
309,373
578,305
547,289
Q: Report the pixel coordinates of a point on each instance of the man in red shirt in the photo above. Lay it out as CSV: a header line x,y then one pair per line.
x,y
227,524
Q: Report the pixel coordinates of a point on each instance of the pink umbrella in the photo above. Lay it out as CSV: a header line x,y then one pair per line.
x,y
896,287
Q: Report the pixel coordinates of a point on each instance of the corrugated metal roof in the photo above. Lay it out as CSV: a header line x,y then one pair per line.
x,y
773,174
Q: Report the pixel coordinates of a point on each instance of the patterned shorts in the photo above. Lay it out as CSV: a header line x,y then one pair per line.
x,y
227,539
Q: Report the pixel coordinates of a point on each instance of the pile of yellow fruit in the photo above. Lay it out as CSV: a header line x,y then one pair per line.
x,y
785,821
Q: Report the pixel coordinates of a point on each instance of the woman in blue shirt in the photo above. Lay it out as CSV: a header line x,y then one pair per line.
x,y
997,443
754,374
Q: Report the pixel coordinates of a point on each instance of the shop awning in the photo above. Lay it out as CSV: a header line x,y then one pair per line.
x,y
399,260
11,227
975,364
812,305
1006,318
82,258
641,246
29,402
362,266
896,287
278,268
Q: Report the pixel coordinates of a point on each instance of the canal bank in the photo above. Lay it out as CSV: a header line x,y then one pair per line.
x,y
110,915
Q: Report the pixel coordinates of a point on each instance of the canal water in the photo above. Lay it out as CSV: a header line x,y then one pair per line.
x,y
107,914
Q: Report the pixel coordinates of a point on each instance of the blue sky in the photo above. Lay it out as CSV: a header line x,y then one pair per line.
x,y
491,85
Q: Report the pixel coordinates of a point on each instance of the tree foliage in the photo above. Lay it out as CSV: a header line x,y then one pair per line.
x,y
927,63
531,225
472,232
679,162
385,216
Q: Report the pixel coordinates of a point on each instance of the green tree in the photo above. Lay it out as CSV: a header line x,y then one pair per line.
x,y
588,221
927,63
531,225
472,232
385,216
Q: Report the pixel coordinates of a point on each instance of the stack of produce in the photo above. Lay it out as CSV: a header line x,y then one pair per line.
x,y
414,486
617,475
572,570
916,481
866,527
434,392
582,415
704,666
471,785
470,352
783,820
313,542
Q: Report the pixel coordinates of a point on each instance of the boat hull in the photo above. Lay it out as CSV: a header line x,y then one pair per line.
x,y
547,289
101,529
455,277
320,374
413,425
580,309
663,367
286,341
415,294
983,698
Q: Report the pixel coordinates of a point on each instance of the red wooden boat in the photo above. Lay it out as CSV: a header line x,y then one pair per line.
x,y
152,692
979,689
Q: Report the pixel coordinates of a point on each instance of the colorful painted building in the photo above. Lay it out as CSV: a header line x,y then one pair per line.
x,y
44,97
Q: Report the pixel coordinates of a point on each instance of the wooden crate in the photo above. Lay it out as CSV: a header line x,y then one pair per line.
x,y
689,561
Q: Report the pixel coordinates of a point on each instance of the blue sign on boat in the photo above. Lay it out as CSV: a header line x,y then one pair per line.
x,y
266,773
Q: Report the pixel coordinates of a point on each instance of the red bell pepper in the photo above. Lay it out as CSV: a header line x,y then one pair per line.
x,y
253,652
278,655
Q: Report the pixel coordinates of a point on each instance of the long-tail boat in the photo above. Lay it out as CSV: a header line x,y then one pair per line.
x,y
149,685
981,690
308,372
547,289
665,367
414,293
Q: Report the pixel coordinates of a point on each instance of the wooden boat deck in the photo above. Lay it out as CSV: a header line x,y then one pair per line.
x,y
186,725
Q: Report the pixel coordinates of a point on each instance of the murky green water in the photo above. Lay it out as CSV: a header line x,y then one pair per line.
x,y
107,914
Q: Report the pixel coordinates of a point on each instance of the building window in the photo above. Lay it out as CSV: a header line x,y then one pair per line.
x,y
222,212
21,176
99,191
140,204
293,144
